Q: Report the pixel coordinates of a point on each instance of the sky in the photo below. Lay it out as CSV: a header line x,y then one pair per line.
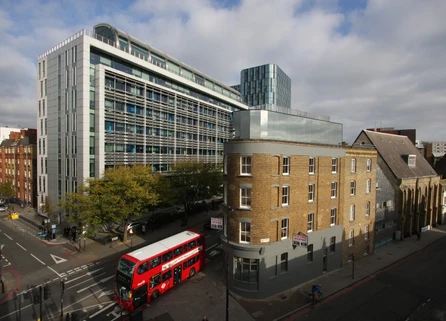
x,y
363,63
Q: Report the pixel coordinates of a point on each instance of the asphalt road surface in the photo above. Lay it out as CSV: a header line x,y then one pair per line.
x,y
88,293
412,290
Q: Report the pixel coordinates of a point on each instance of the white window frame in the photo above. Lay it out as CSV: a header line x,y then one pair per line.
x,y
368,187
352,213
285,195
353,188
245,232
311,191
366,232
351,238
334,165
367,208
411,160
284,228
333,214
311,165
353,166
245,198
245,167
334,189
369,165
286,165
310,222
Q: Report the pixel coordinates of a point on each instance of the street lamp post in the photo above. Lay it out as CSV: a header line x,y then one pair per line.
x,y
1,275
62,290
227,262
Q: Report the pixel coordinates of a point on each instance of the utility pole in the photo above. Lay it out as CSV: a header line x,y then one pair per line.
x,y
41,301
1,265
229,210
62,290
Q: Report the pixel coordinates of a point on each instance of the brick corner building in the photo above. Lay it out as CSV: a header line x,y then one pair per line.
x,y
18,165
288,198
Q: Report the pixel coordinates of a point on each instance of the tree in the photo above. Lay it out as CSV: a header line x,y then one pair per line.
x,y
122,193
192,181
7,190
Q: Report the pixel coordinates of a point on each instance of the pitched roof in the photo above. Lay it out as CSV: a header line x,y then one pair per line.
x,y
394,150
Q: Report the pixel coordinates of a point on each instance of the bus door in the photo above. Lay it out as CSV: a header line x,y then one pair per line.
x,y
177,275
140,296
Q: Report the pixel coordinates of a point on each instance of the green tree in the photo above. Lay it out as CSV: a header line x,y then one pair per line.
x,y
193,181
123,193
7,190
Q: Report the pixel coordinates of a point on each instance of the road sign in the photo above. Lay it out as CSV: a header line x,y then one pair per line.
x,y
216,223
300,239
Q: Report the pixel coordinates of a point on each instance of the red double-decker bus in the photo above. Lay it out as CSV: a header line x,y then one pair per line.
x,y
145,274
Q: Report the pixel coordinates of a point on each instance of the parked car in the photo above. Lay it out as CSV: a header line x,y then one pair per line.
x,y
3,207
132,225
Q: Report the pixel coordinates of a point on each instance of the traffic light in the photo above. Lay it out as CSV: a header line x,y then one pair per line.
x,y
46,292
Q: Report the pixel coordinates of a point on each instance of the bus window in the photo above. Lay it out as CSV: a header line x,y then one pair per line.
x,y
167,256
177,251
155,262
200,241
143,268
167,275
184,248
184,265
155,280
192,245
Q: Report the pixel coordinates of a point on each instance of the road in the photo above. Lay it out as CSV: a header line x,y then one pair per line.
x,y
411,290
88,293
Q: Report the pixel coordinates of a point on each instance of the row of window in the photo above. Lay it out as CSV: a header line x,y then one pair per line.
x,y
163,150
351,235
245,193
16,161
245,227
112,126
246,165
165,257
97,57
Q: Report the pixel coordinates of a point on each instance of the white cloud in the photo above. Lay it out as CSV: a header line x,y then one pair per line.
x,y
386,68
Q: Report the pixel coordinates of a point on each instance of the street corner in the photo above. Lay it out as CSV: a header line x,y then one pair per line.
x,y
11,283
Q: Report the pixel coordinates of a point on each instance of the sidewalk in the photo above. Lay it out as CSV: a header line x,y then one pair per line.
x,y
91,249
285,306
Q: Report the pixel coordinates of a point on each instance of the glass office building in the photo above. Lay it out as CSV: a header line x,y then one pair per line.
x,y
266,84
106,99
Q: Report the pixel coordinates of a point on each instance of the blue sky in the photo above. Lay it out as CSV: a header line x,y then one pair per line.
x,y
363,63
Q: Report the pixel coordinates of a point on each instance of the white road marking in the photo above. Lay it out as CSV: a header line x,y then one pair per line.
x,y
85,297
37,259
102,310
54,271
58,259
20,246
82,282
8,236
92,285
14,312
105,293
79,277
212,246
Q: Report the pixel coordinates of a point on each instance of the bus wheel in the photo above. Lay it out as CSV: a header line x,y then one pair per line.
x,y
192,272
155,295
